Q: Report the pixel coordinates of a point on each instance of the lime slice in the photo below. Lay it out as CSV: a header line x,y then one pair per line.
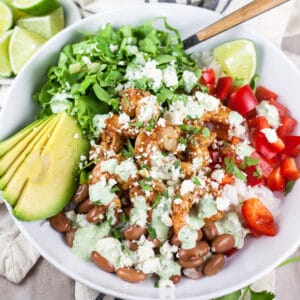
x,y
36,7
6,17
23,44
5,68
238,59
17,14
46,26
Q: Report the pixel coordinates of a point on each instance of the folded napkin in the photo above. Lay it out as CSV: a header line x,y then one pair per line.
x,y
281,26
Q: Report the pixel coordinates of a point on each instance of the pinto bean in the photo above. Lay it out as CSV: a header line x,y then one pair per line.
x,y
192,273
94,213
214,264
201,249
133,246
175,241
60,223
102,262
210,231
200,235
175,278
131,275
134,232
222,243
84,207
69,237
81,194
191,263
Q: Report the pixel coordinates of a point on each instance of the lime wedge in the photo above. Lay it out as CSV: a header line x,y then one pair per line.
x,y
6,17
36,7
238,59
23,44
17,14
46,26
5,68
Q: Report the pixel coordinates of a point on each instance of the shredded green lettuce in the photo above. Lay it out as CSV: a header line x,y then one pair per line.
x,y
92,71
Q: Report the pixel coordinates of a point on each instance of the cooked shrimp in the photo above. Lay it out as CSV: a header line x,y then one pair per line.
x,y
218,116
130,99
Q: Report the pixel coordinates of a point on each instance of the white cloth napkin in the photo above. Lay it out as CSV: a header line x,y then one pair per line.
x,y
281,26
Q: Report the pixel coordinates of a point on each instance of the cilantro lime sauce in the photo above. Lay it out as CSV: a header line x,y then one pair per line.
x,y
86,238
188,237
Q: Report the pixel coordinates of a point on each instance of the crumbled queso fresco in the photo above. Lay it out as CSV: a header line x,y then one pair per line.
x,y
161,182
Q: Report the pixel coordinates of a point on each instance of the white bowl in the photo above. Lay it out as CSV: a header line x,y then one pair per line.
x,y
259,256
72,15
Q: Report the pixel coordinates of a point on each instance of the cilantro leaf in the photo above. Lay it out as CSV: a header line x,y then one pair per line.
x,y
177,164
136,124
128,152
233,296
145,186
206,132
157,200
232,169
249,161
262,295
196,181
258,173
289,186
151,124
189,128
183,141
151,231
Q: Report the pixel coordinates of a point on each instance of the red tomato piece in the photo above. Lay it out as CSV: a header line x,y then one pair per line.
x,y
258,217
289,169
282,110
263,93
276,181
258,123
287,126
292,145
208,77
263,146
224,87
231,251
243,100
253,179
265,167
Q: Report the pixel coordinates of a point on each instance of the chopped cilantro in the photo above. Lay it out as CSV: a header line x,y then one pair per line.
x,y
157,200
151,231
145,186
238,82
206,132
164,154
196,181
129,152
232,169
151,124
136,124
289,186
148,178
110,219
114,189
156,285
189,128
249,161
177,164
144,166
183,141
258,173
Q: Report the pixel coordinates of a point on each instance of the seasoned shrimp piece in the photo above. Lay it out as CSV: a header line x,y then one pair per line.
x,y
102,169
220,116
121,125
111,140
130,99
167,137
198,148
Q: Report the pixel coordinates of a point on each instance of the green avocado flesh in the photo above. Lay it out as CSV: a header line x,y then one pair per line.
x,y
15,177
42,179
21,149
6,145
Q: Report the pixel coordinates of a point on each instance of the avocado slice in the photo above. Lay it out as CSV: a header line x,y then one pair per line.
x,y
6,145
18,149
47,191
14,179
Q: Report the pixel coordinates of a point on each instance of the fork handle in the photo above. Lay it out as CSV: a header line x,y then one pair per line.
x,y
243,14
